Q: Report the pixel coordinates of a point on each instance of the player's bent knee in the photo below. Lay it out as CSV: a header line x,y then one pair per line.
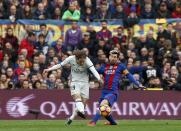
x,y
84,100
77,97
104,102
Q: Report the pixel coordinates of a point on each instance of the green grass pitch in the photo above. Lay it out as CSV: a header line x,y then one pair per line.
x,y
80,125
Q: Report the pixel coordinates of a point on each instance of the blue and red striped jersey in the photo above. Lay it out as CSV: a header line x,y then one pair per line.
x,y
112,75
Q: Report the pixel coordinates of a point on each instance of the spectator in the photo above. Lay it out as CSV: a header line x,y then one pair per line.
x,y
148,12
133,6
87,43
87,4
9,50
50,54
165,51
72,14
19,81
11,38
4,65
27,13
162,32
27,72
35,68
51,81
112,6
119,12
41,13
59,46
3,81
150,40
54,4
33,6
37,85
171,34
88,15
46,4
92,32
166,70
11,85
154,82
141,42
151,71
46,32
59,84
2,10
23,58
144,53
73,37
57,14
169,82
13,14
176,84
25,31
43,85
34,78
176,13
20,69
25,85
120,37
102,12
28,43
104,33
42,61
101,45
10,74
56,60
131,20
163,11
178,62
41,45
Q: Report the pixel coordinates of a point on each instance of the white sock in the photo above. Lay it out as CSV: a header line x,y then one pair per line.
x,y
74,114
79,106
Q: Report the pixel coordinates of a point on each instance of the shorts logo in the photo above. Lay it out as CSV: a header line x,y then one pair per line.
x,y
17,107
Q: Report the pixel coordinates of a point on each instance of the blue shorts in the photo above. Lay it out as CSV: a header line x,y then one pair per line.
x,y
111,97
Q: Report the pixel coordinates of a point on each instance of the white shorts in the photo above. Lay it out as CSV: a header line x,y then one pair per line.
x,y
81,88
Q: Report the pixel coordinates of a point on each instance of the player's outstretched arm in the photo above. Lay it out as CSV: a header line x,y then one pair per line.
x,y
95,73
92,68
132,79
55,67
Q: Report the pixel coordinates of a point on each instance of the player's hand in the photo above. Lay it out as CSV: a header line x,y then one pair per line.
x,y
45,71
101,82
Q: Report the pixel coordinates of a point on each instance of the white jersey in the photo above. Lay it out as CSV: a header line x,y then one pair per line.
x,y
78,73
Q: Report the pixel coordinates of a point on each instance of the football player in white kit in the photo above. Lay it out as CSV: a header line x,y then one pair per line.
x,y
79,87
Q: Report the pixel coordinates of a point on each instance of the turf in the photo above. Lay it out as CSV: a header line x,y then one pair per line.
x,y
133,125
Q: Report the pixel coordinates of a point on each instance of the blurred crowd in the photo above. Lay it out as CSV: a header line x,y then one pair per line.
x,y
154,61
89,10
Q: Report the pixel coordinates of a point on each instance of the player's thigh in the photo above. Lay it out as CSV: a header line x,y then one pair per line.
x,y
75,90
84,100
110,98
84,92
102,98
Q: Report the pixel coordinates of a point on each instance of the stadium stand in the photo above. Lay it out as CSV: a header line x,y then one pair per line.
x,y
28,45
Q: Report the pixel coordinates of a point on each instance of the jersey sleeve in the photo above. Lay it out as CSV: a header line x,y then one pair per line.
x,y
101,69
89,63
123,69
67,60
